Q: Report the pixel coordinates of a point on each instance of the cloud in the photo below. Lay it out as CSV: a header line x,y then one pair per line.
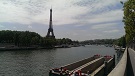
x,y
111,31
1,26
14,27
28,12
104,26
64,11
75,34
30,26
109,16
93,16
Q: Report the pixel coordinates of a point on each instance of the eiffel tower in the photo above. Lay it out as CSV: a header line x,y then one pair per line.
x,y
50,33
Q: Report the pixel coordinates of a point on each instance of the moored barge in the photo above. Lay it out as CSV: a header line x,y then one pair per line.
x,y
84,67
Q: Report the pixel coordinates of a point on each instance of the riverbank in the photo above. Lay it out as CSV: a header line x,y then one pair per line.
x,y
13,47
39,62
17,48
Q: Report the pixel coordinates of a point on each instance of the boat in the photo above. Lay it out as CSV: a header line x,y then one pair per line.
x,y
83,67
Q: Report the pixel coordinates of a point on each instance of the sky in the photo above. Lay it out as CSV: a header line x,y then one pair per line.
x,y
74,19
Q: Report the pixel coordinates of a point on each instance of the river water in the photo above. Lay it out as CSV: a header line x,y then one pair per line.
x,y
38,62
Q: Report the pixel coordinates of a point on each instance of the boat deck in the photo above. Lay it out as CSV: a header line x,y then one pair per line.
x,y
84,67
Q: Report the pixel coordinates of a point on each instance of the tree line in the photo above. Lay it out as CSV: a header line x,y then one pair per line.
x,y
121,42
99,41
129,20
27,38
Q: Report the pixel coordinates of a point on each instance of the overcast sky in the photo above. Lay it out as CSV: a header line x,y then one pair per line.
x,y
74,19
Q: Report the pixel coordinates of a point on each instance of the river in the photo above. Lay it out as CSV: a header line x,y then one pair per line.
x,y
38,62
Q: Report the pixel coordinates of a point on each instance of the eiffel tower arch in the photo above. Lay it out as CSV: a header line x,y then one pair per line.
x,y
50,33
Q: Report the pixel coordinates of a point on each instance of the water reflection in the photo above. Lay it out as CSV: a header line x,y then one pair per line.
x,y
38,62
119,55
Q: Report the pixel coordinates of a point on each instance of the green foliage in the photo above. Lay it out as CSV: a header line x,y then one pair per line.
x,y
26,38
63,41
48,42
121,42
19,38
129,19
99,41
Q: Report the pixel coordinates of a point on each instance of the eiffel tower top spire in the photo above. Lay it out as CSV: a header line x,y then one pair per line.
x,y
50,33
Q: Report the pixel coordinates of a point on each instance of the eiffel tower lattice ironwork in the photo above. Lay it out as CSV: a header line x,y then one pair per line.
x,y
50,33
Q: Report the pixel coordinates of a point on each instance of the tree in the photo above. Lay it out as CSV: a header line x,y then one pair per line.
x,y
49,42
28,39
121,42
35,40
129,20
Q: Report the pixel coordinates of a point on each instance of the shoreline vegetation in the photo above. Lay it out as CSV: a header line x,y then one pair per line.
x,y
26,40
10,47
13,47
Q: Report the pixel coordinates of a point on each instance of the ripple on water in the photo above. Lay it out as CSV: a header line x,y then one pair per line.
x,y
38,62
